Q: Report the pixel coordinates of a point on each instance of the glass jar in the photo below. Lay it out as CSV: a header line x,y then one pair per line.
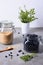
x,y
6,32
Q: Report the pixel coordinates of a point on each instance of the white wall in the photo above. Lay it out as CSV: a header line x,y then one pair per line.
x,y
9,11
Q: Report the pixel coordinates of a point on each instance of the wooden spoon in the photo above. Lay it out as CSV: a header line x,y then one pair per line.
x,y
7,49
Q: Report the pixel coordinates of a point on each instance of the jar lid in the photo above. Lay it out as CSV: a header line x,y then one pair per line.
x,y
6,23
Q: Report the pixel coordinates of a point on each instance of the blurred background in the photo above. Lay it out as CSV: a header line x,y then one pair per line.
x,y
9,10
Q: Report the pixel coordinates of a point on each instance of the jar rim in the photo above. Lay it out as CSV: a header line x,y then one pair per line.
x,y
6,22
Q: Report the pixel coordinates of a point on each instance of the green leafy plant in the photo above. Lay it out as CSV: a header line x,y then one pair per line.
x,y
28,57
27,16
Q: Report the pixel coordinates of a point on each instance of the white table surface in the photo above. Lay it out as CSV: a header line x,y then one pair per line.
x,y
18,44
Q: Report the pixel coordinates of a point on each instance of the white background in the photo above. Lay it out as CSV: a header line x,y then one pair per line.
x,y
9,10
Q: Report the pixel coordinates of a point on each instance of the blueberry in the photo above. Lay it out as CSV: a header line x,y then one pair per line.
x,y
6,56
23,53
20,51
17,54
34,35
18,32
28,35
9,55
23,35
10,52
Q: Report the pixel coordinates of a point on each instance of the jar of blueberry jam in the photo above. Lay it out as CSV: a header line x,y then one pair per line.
x,y
31,43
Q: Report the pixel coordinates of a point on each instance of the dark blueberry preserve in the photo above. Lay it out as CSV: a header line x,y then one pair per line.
x,y
31,43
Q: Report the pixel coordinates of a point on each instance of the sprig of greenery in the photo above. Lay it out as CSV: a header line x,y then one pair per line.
x,y
26,57
27,16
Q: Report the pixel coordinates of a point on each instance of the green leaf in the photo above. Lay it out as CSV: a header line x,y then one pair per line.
x,y
27,15
26,57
